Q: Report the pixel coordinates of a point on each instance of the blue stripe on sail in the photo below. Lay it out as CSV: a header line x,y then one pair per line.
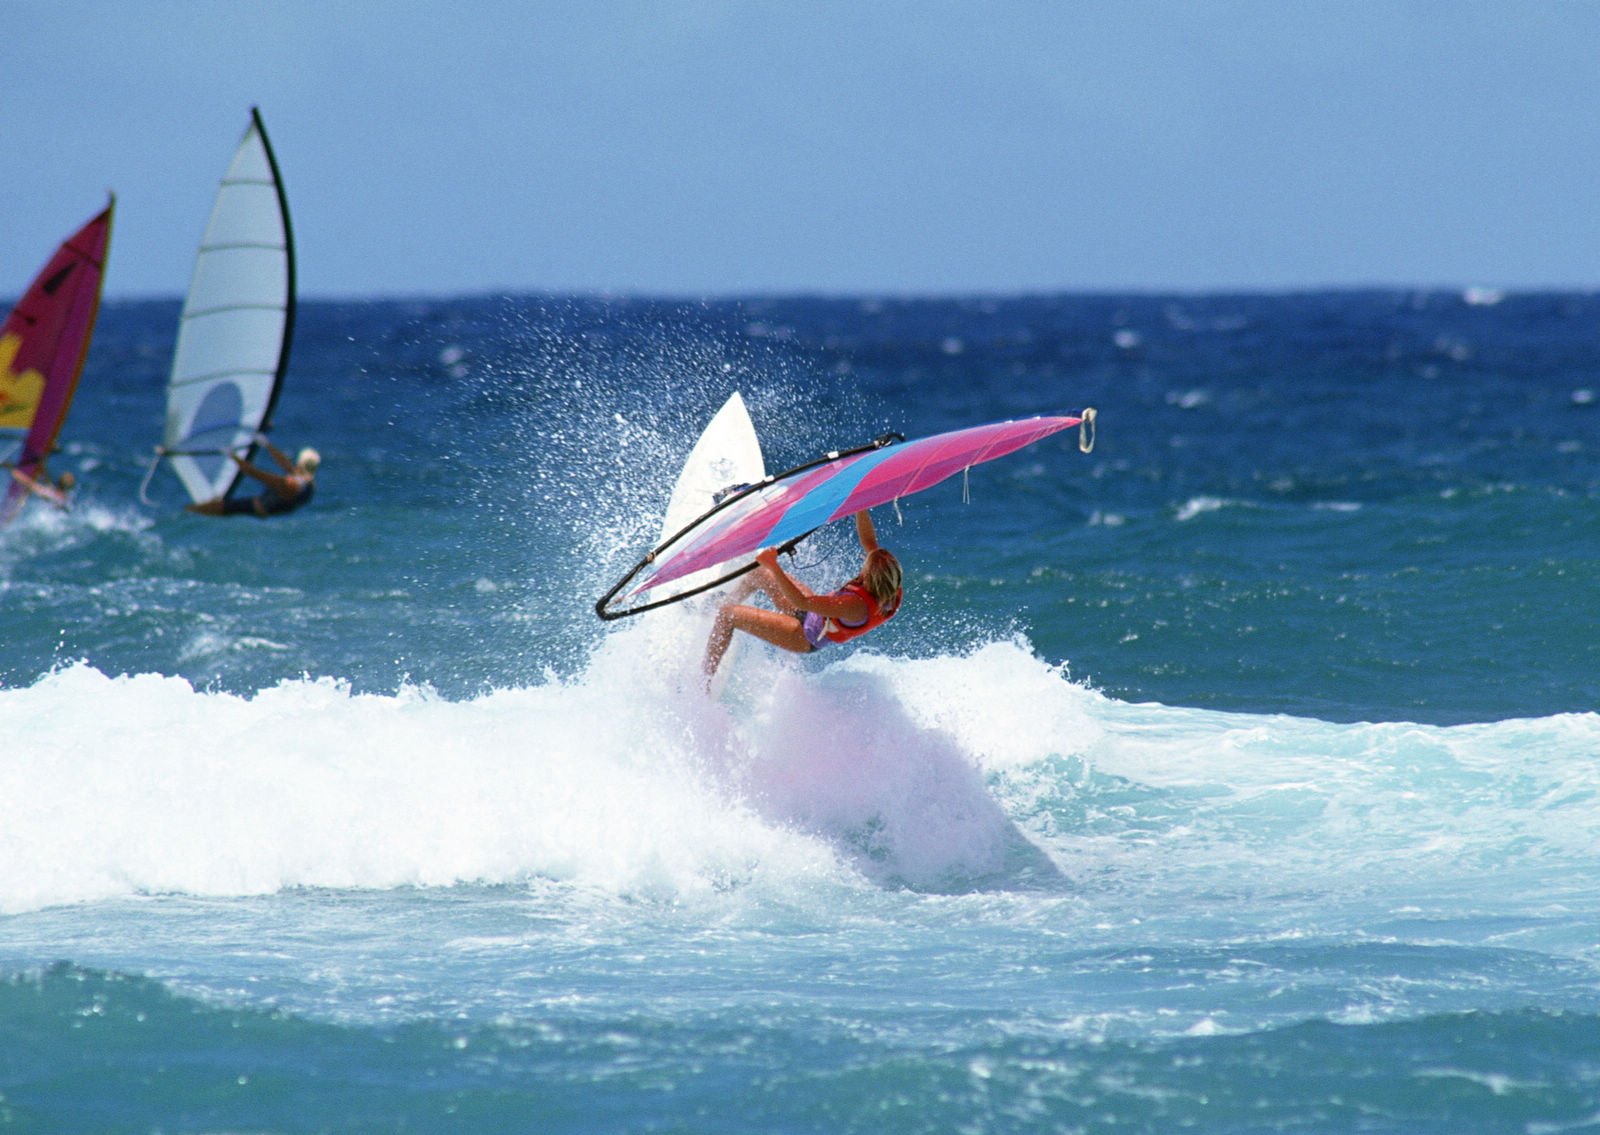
x,y
818,506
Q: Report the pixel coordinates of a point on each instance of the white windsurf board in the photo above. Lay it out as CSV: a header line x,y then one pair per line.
x,y
727,454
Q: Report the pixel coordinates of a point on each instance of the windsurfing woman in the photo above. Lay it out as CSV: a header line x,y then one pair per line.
x,y
285,491
805,621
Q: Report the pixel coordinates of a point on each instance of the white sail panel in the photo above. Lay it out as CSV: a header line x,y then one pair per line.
x,y
236,275
237,342
233,336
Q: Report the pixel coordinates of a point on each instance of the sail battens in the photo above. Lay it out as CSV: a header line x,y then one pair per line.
x,y
224,308
259,245
213,376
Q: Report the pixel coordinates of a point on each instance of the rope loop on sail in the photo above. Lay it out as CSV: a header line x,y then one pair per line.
x,y
1086,430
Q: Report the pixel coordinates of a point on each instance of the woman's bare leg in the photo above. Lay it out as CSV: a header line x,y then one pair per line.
x,y
782,628
717,642
722,630
762,579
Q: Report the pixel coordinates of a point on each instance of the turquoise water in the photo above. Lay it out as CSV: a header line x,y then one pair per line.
x,y
1238,776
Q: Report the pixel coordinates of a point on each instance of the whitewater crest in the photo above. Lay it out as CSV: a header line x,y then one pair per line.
x,y
985,770
624,778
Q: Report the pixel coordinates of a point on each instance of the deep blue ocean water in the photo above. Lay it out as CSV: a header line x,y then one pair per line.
x,y
1239,776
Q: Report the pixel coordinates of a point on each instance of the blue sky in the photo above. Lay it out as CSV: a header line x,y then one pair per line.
x,y
697,148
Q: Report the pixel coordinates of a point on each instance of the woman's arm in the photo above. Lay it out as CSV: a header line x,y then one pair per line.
x,y
866,533
278,455
851,608
274,481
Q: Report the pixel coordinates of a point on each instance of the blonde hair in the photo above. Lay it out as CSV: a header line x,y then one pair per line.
x,y
308,460
882,578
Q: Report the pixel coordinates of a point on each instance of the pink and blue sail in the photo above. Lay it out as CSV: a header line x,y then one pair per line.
x,y
784,509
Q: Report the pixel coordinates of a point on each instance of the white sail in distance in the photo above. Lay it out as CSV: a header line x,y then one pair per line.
x,y
234,334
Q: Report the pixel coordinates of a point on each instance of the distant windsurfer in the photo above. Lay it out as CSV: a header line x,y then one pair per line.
x,y
284,493
57,491
803,620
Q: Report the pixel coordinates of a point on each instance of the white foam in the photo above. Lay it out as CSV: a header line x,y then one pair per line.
x,y
145,784
991,768
40,529
1198,506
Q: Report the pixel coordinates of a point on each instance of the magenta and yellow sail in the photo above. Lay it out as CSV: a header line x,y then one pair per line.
x,y
43,344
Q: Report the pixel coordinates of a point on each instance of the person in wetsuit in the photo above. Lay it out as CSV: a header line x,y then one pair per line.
x,y
284,493
803,620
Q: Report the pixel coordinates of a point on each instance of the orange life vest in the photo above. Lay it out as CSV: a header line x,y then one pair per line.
x,y
876,616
